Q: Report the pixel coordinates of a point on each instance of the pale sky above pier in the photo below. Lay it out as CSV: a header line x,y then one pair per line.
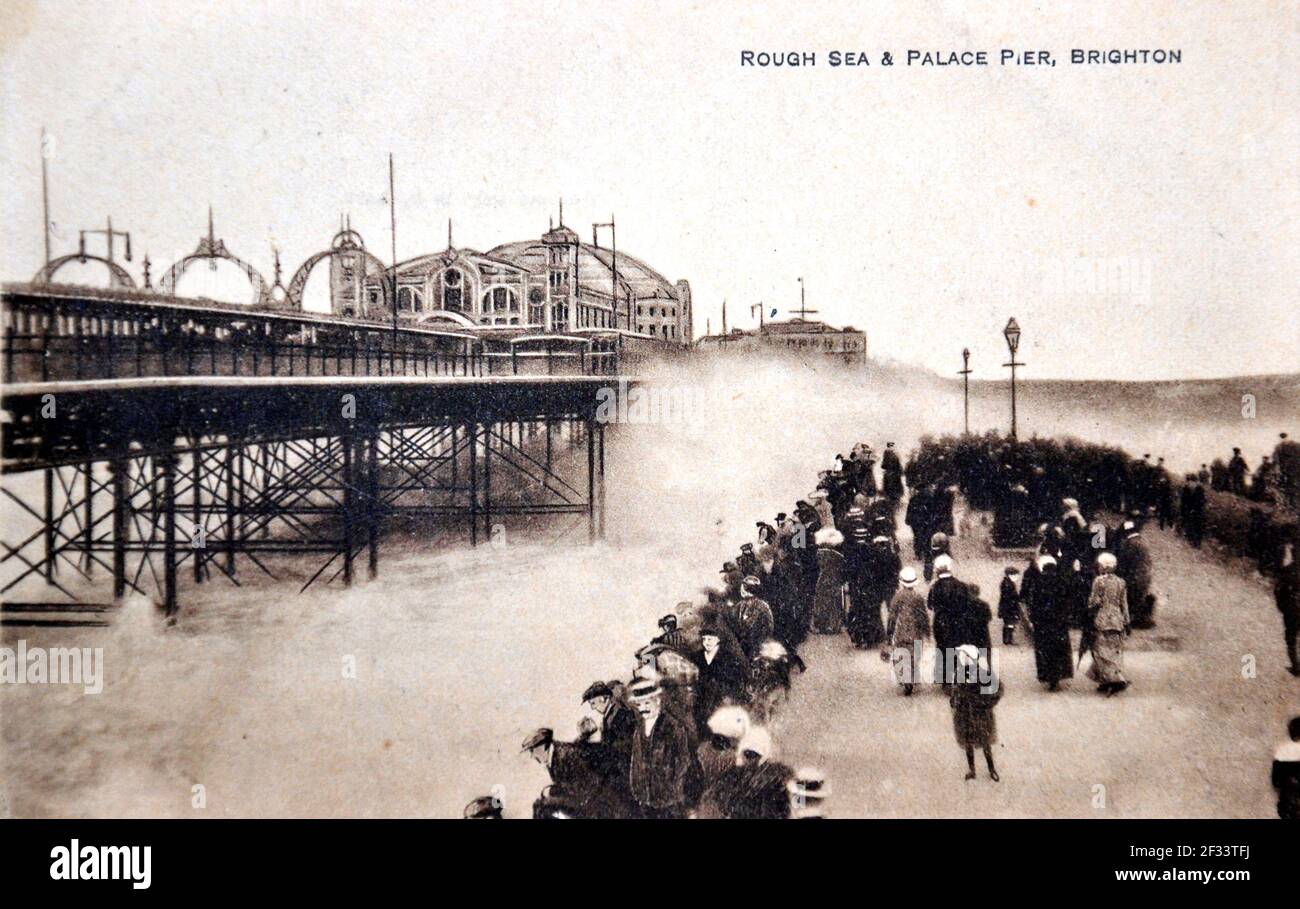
x,y
1138,221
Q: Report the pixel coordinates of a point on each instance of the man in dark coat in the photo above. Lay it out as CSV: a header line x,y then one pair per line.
x,y
975,619
617,724
1135,569
1237,471
876,581
947,600
892,468
612,756
574,768
1164,493
663,763
917,517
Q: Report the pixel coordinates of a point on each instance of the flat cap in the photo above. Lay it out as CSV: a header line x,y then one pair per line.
x,y
596,690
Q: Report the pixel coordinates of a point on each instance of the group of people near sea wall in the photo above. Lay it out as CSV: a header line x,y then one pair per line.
x,y
689,734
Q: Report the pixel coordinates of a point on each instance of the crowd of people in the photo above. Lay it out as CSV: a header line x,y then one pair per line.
x,y
689,734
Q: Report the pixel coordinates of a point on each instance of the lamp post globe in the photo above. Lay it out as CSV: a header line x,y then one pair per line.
x,y
1012,334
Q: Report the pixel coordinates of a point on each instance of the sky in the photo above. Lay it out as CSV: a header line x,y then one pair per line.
x,y
1140,222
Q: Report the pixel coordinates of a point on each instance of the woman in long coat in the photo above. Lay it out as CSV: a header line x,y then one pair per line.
x,y
1049,614
973,697
909,627
828,599
1109,617
874,585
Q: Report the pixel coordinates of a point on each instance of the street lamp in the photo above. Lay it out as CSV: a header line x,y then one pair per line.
x,y
1012,334
965,374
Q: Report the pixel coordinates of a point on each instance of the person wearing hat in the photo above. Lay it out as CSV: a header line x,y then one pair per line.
x,y
1108,617
732,577
754,619
1134,566
892,468
974,694
717,749
1048,605
809,791
1009,605
755,787
617,727
747,561
723,678
663,762
908,628
572,767
828,597
947,600
939,546
484,808
919,517
1237,472
670,635
873,587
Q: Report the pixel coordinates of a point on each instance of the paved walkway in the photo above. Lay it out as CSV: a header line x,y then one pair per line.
x,y
1191,738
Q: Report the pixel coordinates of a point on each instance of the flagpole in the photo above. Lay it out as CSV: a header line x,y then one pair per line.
x,y
45,193
392,225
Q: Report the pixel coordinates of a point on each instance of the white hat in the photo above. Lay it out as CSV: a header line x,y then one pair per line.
x,y
732,722
828,536
1107,561
757,740
943,564
1044,560
907,577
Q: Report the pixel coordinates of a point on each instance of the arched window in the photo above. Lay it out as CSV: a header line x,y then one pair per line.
x,y
500,299
406,299
453,291
536,309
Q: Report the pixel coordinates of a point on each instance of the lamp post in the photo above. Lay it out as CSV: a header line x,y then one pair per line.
x,y
965,375
1012,334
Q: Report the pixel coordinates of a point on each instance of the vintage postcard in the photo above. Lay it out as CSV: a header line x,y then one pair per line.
x,y
650,411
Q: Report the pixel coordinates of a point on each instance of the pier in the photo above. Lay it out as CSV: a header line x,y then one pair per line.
x,y
167,444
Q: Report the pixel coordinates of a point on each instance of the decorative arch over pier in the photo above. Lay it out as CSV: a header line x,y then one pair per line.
x,y
211,249
346,242
118,277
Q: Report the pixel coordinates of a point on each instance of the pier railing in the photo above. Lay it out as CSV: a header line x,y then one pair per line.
x,y
55,333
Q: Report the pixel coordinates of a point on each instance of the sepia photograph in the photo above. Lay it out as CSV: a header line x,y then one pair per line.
x,y
878,412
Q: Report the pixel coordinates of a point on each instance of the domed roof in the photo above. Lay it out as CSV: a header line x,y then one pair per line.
x,y
595,264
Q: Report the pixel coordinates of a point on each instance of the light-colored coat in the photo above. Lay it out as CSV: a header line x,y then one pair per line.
x,y
1108,603
909,621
